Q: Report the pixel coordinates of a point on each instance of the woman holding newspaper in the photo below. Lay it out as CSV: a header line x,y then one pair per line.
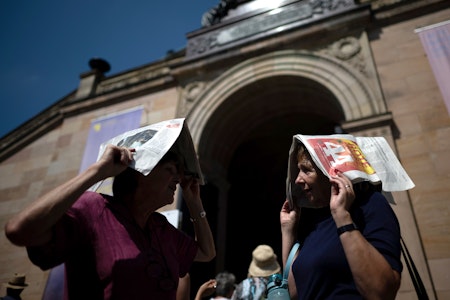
x,y
349,237
116,247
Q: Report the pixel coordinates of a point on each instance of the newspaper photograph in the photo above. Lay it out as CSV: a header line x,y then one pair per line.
x,y
151,143
359,158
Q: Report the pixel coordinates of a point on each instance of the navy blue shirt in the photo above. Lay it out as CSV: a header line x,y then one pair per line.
x,y
321,270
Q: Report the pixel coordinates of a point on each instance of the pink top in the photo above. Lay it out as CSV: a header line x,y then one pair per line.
x,y
108,256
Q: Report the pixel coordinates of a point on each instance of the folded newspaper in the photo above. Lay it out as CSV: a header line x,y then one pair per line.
x,y
359,158
152,142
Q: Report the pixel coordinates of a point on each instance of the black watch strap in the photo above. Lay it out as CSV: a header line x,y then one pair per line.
x,y
348,227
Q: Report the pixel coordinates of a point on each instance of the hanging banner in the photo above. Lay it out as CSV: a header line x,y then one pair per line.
x,y
105,128
436,42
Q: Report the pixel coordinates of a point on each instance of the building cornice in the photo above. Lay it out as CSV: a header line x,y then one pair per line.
x,y
164,73
120,87
392,11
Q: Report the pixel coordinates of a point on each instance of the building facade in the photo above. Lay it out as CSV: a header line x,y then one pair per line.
x,y
248,80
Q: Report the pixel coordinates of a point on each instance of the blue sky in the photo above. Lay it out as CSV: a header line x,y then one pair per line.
x,y
45,45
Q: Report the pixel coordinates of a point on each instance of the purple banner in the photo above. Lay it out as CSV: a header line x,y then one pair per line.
x,y
105,128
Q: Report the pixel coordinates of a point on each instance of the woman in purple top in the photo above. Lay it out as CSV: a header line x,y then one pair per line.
x,y
349,236
116,247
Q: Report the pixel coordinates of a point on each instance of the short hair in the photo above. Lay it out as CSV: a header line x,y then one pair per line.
x,y
225,284
359,188
303,153
126,182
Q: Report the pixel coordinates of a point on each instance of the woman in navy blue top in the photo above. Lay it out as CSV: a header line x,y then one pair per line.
x,y
349,236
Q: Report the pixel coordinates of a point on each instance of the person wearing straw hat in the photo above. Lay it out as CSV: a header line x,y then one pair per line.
x,y
14,287
264,264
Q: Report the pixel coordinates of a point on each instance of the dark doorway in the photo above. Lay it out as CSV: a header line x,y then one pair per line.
x,y
244,149
257,175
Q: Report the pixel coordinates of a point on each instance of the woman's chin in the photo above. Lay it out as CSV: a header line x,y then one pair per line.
x,y
310,203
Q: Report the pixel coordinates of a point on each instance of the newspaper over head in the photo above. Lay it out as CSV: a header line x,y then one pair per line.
x,y
151,143
359,158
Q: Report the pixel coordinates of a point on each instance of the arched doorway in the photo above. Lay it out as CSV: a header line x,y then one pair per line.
x,y
242,125
247,140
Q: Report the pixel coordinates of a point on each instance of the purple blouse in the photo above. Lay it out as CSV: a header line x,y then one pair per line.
x,y
108,256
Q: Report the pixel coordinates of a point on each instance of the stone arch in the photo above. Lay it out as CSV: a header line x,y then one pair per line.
x,y
354,95
228,123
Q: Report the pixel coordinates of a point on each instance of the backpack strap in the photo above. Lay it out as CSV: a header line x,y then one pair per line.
x,y
415,276
289,260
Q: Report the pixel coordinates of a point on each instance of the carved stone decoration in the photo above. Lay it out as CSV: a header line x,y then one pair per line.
x,y
189,95
346,48
192,90
320,6
289,16
215,14
203,43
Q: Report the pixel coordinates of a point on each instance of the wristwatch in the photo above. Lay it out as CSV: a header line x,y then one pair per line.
x,y
348,227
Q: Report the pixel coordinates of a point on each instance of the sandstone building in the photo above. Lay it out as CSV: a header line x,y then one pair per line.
x,y
249,79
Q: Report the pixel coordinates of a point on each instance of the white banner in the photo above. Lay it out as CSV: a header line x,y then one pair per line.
x,y
436,42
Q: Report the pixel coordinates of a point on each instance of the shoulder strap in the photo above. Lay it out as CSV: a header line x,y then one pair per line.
x,y
415,276
289,260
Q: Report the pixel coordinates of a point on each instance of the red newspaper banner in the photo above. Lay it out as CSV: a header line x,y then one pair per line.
x,y
340,154
359,158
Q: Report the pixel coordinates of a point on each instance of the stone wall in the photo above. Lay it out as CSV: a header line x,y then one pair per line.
x,y
411,95
423,121
50,161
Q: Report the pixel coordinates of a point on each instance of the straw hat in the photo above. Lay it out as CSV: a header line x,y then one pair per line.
x,y
264,262
17,282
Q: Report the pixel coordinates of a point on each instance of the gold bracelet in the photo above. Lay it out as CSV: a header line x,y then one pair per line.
x,y
202,216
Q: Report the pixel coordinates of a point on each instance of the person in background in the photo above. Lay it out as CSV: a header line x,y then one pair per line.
x,y
206,289
15,287
264,264
222,287
349,236
116,247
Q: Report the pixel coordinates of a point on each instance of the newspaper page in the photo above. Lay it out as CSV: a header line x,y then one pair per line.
x,y
385,162
339,152
359,158
151,143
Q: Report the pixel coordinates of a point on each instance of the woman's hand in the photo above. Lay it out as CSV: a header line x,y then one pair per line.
x,y
206,289
203,234
289,217
342,194
191,188
114,161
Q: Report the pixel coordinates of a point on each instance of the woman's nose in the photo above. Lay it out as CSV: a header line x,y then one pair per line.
x,y
299,178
